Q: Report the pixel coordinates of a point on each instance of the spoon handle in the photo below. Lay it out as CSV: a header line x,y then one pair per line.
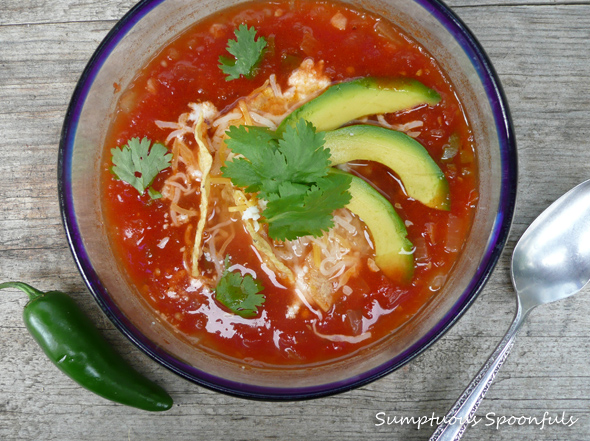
x,y
462,413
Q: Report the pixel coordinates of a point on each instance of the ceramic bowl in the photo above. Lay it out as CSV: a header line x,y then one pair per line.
x,y
132,42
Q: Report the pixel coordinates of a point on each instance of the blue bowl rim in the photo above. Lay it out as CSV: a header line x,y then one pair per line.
x,y
500,233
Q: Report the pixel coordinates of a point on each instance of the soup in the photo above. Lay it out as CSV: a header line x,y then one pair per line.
x,y
286,183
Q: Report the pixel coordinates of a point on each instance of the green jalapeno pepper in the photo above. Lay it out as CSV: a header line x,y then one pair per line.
x,y
77,348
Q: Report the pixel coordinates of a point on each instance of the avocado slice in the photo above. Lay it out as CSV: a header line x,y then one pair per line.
x,y
393,251
344,102
423,180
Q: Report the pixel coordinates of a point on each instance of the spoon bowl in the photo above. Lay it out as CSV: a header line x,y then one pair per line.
x,y
551,261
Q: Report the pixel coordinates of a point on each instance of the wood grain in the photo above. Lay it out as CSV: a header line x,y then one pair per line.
x,y
541,51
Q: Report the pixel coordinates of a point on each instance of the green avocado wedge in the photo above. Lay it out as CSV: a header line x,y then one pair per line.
x,y
422,178
350,100
393,251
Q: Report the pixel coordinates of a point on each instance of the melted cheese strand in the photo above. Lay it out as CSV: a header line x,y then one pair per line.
x,y
340,337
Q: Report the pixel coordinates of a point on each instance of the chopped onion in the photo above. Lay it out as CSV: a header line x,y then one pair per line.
x,y
437,282
372,265
339,21
449,152
355,319
451,148
163,242
454,239
385,30
420,250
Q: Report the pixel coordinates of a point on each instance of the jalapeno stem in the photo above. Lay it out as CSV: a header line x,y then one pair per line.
x,y
31,292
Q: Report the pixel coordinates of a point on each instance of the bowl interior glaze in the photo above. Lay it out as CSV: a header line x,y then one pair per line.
x,y
134,41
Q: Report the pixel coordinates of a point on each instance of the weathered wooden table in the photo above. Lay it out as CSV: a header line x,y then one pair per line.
x,y
541,50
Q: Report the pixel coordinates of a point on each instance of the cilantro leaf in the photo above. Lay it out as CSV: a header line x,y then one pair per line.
x,y
292,173
294,214
138,164
299,157
243,140
153,193
239,294
247,52
303,146
264,165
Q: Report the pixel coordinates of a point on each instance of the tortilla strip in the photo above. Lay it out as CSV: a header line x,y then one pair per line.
x,y
262,245
205,161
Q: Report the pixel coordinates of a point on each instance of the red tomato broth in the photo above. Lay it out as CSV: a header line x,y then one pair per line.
x,y
186,70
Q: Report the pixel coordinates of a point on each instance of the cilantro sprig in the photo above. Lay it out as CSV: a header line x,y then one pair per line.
x,y
292,173
138,164
239,294
247,53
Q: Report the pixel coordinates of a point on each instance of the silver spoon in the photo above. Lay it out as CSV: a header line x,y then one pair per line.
x,y
551,261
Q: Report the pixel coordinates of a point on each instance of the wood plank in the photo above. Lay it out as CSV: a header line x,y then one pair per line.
x,y
62,11
65,11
